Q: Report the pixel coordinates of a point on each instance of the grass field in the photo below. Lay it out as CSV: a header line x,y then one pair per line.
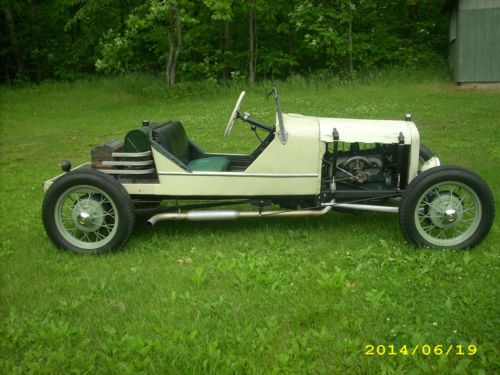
x,y
277,296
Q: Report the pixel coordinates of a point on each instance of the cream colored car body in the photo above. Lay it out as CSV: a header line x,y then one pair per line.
x,y
308,166
291,168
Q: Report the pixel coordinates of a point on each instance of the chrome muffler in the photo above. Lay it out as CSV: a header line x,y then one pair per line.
x,y
231,215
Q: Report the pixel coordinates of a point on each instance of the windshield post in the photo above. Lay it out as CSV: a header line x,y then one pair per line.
x,y
283,135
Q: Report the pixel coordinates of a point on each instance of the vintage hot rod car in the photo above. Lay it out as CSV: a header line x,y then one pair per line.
x,y
304,166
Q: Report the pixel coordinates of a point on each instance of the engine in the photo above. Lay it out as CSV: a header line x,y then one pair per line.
x,y
362,169
371,167
363,172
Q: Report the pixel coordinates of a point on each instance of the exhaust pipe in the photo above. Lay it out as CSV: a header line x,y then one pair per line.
x,y
231,215
366,207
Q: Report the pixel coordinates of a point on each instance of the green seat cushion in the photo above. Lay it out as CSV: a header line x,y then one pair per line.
x,y
209,164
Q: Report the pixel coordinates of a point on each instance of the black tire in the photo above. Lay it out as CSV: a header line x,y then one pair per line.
x,y
424,154
110,221
443,201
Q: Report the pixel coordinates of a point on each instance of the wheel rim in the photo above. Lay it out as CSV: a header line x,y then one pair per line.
x,y
448,213
86,217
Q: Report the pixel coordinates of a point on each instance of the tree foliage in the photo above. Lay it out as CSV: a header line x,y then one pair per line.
x,y
215,39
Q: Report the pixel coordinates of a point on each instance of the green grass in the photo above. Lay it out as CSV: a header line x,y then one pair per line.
x,y
275,296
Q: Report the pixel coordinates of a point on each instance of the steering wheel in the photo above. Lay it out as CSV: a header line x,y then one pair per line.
x,y
234,115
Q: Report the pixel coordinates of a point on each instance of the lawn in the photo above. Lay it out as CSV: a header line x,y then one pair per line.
x,y
254,296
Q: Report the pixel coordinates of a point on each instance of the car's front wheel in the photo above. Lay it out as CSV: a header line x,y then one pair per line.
x,y
88,212
448,207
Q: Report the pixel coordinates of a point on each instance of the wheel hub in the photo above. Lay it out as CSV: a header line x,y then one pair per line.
x,y
84,218
88,215
446,211
450,215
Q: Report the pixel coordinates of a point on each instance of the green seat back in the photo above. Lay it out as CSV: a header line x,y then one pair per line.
x,y
173,138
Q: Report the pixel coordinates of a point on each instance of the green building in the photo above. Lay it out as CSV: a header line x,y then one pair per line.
x,y
474,40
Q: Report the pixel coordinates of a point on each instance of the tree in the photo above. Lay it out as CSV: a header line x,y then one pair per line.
x,y
142,27
351,7
11,27
252,42
221,10
209,39
174,29
325,28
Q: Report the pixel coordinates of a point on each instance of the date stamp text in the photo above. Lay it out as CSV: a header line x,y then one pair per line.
x,y
426,350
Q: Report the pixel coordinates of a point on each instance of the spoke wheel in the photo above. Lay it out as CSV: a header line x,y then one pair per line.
x,y
86,217
88,212
448,213
447,207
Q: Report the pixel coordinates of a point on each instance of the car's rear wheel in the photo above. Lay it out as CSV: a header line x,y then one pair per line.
x,y
448,207
88,212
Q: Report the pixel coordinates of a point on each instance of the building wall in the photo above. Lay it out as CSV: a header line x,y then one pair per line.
x,y
475,54
479,4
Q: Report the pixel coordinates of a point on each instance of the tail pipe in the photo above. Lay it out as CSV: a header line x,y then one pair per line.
x,y
232,215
